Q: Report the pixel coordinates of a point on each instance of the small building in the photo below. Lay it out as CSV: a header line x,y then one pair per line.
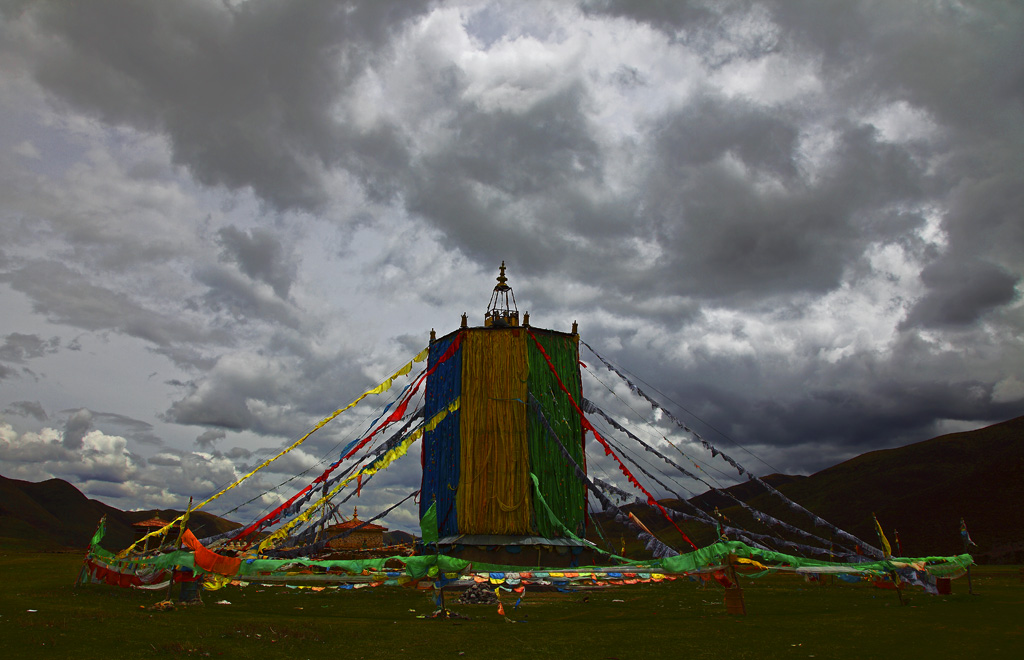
x,y
342,537
144,527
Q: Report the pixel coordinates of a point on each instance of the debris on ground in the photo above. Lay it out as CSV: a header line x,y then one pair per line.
x,y
478,594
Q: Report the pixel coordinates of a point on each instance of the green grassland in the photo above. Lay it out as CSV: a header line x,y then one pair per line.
x,y
787,618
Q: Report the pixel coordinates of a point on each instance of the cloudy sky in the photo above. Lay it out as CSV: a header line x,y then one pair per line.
x,y
800,222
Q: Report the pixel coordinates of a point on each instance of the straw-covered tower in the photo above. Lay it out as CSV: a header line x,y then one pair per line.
x,y
478,462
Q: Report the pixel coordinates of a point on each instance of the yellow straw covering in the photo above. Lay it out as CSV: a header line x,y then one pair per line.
x,y
494,488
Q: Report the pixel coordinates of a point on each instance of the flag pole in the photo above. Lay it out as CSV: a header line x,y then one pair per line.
x,y
887,554
85,562
966,538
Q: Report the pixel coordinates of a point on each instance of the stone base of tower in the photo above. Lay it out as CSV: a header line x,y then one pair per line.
x,y
523,551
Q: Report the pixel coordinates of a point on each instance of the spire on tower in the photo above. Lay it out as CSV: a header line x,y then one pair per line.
x,y
502,310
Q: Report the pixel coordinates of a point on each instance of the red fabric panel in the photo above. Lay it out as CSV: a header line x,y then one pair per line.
x,y
208,560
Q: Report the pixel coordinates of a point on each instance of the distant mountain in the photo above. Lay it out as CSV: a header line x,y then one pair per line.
x,y
53,515
397,536
922,490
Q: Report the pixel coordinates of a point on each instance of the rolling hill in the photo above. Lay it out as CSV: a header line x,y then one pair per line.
x,y
53,515
922,490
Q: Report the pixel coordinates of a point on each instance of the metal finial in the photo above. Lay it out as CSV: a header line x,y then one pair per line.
x,y
502,311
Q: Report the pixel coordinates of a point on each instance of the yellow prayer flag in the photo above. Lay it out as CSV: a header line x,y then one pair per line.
x,y
886,548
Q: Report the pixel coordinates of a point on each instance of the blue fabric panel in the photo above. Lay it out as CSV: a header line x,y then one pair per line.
x,y
441,445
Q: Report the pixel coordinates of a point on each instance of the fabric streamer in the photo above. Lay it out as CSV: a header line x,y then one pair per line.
x,y
660,550
379,465
384,386
821,522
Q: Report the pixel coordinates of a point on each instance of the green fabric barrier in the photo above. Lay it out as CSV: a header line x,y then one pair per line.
x,y
563,491
420,566
717,553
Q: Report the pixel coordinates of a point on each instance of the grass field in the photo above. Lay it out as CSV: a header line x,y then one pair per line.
x,y
786,618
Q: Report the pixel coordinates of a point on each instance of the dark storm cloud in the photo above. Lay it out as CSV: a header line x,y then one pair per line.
x,y
519,181
268,396
216,406
260,255
18,347
75,428
207,439
961,293
726,236
882,125
32,409
82,421
247,94
658,13
237,297
962,64
809,412
65,296
545,147
128,427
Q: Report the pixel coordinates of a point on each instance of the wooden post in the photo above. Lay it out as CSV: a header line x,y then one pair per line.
x,y
181,533
896,583
966,538
970,588
734,596
831,559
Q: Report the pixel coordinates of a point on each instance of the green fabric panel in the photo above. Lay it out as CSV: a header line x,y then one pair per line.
x,y
182,558
257,566
558,483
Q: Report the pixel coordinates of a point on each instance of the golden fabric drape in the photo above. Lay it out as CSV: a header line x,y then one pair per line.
x,y
494,488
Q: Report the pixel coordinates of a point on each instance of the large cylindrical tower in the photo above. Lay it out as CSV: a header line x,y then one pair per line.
x,y
477,463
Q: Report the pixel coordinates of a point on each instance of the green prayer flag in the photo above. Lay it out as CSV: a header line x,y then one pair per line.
x,y
101,530
428,525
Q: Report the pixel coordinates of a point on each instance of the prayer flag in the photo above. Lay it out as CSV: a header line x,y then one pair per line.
x,y
428,525
964,535
886,548
208,560
100,532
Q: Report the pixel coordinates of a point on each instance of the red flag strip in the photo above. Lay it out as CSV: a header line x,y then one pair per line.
x,y
607,449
